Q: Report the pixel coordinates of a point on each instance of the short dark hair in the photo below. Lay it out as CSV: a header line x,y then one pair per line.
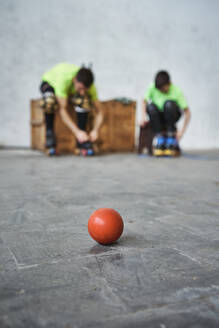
x,y
162,78
85,76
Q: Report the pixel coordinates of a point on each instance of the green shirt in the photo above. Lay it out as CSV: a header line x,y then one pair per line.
x,y
60,78
159,98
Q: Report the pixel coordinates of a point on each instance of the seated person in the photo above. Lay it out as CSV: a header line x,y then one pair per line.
x,y
164,103
61,83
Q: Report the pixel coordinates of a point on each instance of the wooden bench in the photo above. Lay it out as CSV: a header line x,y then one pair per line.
x,y
117,133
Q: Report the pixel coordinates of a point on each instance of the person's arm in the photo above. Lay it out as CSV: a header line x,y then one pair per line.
x,y
97,122
63,107
187,117
147,97
143,113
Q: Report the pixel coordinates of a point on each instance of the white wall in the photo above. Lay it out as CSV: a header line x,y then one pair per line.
x,y
127,41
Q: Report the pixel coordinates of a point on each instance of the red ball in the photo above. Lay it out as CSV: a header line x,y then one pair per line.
x,y
105,225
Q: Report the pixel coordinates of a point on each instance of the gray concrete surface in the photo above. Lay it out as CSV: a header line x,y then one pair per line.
x,y
127,41
162,273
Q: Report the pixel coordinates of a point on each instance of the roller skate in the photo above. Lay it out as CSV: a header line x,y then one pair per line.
x,y
172,147
85,149
50,143
159,146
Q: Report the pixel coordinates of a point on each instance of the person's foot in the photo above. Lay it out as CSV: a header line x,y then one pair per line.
x,y
172,147
51,151
159,147
85,149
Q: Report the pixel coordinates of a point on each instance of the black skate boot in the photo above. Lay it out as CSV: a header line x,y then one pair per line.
x,y
159,146
50,143
172,147
86,149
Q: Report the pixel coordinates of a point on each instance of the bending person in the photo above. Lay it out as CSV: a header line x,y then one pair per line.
x,y
165,103
61,83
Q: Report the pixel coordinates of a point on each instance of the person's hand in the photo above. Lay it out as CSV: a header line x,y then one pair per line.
x,y
93,135
82,136
179,135
142,122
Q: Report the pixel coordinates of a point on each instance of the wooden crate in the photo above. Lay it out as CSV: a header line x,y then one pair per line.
x,y
117,133
145,139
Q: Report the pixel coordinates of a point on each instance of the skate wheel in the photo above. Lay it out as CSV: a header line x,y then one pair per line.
x,y
90,152
158,152
169,153
83,152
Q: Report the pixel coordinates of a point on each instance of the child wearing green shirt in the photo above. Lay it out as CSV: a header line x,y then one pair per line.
x,y
165,103
67,81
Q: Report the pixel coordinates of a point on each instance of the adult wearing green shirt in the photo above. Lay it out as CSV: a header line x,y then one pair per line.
x,y
164,103
67,81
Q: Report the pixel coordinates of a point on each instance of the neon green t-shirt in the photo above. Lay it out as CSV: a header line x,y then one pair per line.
x,y
60,78
159,98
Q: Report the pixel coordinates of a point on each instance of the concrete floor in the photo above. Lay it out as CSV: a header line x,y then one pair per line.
x,y
163,272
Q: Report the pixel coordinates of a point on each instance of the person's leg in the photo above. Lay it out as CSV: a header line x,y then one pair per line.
x,y
156,121
85,147
171,116
81,123
49,105
82,120
45,87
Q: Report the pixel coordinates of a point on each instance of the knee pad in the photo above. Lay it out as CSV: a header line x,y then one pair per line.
x,y
87,103
81,103
152,109
49,103
170,106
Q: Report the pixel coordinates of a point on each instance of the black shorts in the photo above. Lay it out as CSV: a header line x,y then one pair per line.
x,y
46,87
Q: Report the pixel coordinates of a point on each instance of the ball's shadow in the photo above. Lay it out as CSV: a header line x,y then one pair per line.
x,y
127,241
